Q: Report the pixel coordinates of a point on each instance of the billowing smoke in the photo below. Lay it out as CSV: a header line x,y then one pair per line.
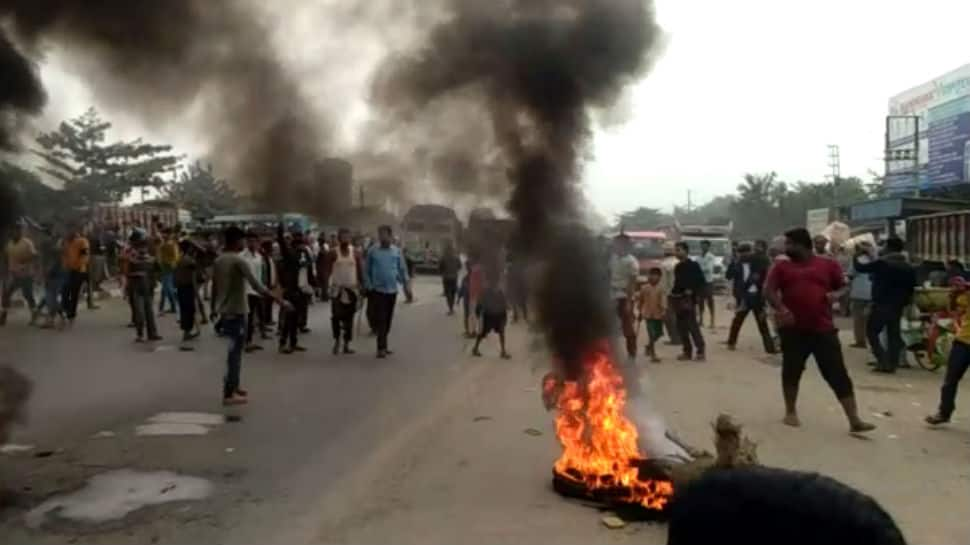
x,y
210,61
21,93
536,68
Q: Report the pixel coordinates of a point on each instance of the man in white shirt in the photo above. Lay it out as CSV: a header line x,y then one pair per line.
x,y
624,269
254,259
667,281
707,261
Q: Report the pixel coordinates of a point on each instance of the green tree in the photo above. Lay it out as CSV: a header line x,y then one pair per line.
x,y
92,170
759,205
198,190
642,218
22,193
717,211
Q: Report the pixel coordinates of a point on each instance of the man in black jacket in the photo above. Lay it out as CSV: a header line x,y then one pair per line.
x,y
298,283
893,281
689,284
748,273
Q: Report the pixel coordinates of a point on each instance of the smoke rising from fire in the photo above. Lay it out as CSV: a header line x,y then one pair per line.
x,y
21,93
537,68
211,61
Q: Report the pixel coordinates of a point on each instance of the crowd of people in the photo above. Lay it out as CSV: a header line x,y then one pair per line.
x,y
255,281
243,275
791,287
252,281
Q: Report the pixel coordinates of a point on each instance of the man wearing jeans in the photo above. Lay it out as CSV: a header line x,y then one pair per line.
x,y
802,291
688,284
231,275
384,270
893,282
168,259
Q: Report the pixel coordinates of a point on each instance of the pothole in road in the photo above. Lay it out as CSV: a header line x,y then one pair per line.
x,y
111,496
180,423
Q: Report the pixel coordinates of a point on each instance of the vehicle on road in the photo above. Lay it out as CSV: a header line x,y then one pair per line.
x,y
427,229
720,238
261,223
648,248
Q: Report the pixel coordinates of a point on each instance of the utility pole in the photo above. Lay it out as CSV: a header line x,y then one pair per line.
x,y
835,165
688,201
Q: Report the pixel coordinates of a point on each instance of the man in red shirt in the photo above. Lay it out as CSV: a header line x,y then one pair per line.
x,y
802,291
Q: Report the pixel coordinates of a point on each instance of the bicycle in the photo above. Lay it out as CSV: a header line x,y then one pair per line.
x,y
930,341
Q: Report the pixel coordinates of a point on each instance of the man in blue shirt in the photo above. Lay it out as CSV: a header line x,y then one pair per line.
x,y
383,271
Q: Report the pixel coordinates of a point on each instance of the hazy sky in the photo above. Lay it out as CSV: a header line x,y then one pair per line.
x,y
742,86
760,85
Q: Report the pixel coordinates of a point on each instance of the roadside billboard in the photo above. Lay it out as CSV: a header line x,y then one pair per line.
x,y
940,111
817,220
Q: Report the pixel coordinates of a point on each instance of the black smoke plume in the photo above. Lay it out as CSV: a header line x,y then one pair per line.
x,y
21,93
211,61
537,67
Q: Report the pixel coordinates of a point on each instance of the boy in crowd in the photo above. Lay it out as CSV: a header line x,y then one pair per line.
x,y
653,310
187,289
140,283
494,313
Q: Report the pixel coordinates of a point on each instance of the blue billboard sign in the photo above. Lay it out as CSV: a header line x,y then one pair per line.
x,y
939,112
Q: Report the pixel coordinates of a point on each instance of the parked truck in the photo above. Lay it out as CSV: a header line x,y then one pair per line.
x,y
718,235
935,239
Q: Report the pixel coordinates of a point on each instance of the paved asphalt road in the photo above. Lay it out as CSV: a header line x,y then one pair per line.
x,y
314,419
430,446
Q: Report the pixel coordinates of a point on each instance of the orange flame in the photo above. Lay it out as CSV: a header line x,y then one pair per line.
x,y
599,442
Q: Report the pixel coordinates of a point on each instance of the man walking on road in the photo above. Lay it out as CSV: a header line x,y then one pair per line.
x,y
688,282
893,282
860,296
667,285
168,259
298,281
231,275
802,291
385,269
21,257
187,289
254,258
346,275
624,269
959,360
707,261
449,267
76,259
140,286
748,273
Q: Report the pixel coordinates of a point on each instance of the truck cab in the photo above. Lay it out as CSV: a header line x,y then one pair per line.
x,y
648,248
720,238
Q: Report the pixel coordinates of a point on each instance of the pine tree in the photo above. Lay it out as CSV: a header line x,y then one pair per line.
x,y
93,171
